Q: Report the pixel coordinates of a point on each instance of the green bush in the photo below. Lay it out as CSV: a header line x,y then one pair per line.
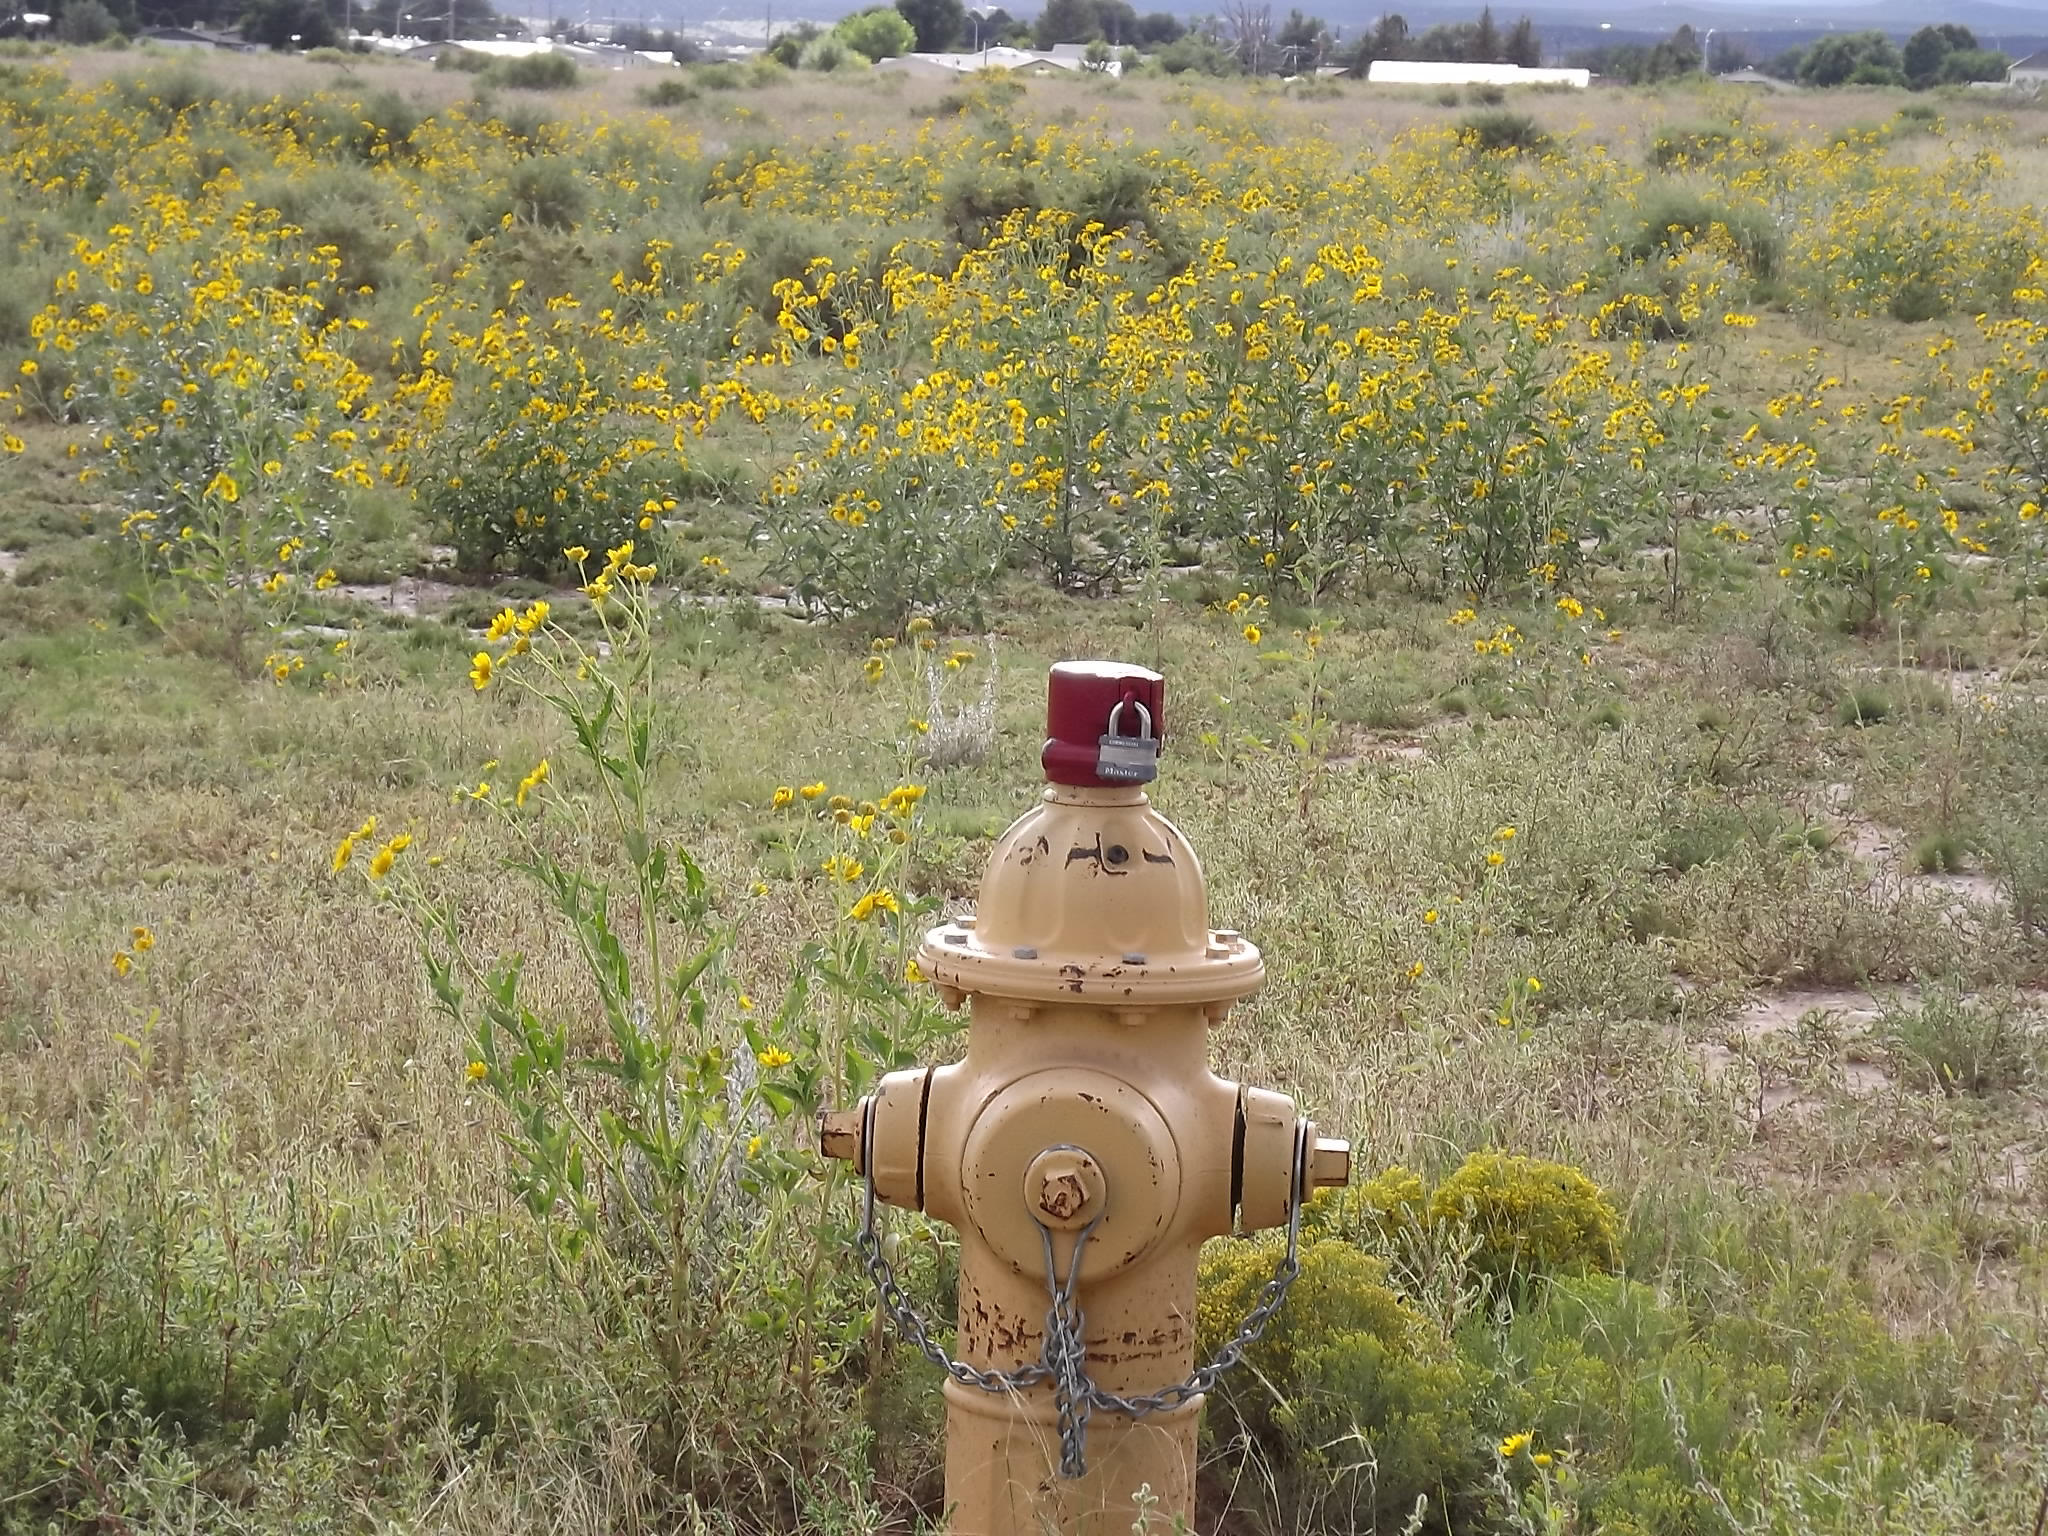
x,y
1965,1045
1351,1397
535,72
1673,219
669,91
462,61
1499,131
1531,1217
1371,1213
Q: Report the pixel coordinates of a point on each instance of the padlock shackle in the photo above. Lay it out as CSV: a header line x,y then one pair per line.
x,y
1144,717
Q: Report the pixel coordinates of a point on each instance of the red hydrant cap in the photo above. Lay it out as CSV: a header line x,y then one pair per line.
x,y
1081,697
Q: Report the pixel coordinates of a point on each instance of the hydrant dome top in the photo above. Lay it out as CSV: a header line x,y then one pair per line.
x,y
1092,895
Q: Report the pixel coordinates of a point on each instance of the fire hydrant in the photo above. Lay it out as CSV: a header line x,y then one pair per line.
x,y
1082,1147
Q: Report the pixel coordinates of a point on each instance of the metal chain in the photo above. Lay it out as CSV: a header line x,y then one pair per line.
x,y
1064,1359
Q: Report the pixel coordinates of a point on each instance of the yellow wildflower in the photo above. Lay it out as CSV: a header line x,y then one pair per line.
x,y
773,1057
784,796
576,554
123,963
343,852
1252,634
143,940
812,791
1516,1443
873,902
477,1071
480,670
531,782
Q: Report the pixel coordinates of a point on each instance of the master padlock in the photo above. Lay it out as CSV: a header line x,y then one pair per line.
x,y
1125,759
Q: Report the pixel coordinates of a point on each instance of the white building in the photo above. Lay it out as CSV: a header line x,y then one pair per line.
x,y
1425,72
1070,57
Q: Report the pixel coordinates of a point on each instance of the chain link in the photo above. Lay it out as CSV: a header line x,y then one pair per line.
x,y
1064,1359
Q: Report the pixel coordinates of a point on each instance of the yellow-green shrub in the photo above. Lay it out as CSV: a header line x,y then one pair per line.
x,y
1351,1394
1381,1207
1531,1217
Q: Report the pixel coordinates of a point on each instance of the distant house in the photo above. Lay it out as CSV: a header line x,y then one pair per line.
x,y
1068,58
2030,73
192,37
1427,72
1754,77
589,55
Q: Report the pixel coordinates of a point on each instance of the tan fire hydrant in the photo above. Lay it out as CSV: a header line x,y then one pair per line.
x,y
1082,1147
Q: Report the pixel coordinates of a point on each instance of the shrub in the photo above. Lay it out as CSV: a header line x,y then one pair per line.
x,y
535,72
1863,705
670,91
1672,219
1350,1389
1531,1217
1972,1045
826,54
462,61
1380,1208
1676,146
1499,131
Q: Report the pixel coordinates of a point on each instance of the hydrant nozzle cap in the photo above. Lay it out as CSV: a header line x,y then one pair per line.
x,y
1103,724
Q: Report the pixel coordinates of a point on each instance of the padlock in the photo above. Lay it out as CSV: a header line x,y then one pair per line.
x,y
1128,759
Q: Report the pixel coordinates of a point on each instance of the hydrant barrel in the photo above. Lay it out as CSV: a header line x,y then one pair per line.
x,y
1082,1141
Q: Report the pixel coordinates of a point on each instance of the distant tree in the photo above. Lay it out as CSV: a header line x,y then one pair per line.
x,y
999,26
1523,46
938,24
1787,65
1248,29
1727,54
85,22
287,24
1845,58
1197,54
1679,54
879,33
1966,64
788,47
1484,46
1066,21
1448,42
1155,29
1302,41
1924,54
1948,55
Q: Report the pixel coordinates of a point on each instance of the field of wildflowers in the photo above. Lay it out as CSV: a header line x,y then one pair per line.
x,y
516,612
